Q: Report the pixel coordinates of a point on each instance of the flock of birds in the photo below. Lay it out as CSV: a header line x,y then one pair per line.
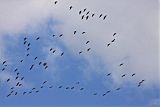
x,y
19,79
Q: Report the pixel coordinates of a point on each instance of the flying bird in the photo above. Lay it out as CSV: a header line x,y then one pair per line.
x,y
55,2
60,35
114,34
80,52
22,78
87,17
62,53
25,38
87,42
24,93
80,12
87,12
88,49
100,16
4,62
121,64
108,44
133,74
60,87
37,38
25,42
51,49
84,9
109,74
35,58
8,79
29,44
82,17
40,63
67,88
104,17
54,51
124,75
70,7
113,40
74,32
44,82
72,88
118,89
44,64
95,93
81,88
16,78
93,15
46,67
31,67
83,32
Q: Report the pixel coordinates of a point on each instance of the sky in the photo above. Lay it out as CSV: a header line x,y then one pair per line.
x,y
136,46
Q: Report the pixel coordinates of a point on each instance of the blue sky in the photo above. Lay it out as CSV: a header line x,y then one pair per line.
x,y
90,68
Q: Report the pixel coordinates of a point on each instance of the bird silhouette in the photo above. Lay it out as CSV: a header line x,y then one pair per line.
x,y
121,64
37,38
60,35
75,32
72,88
62,53
53,35
54,51
93,15
83,32
46,67
24,93
104,17
87,17
44,82
22,78
31,67
114,34
95,93
80,52
4,62
82,17
55,2
87,42
123,75
35,58
84,9
133,74
118,89
51,49
80,12
81,88
27,55
87,12
108,44
40,63
60,86
88,49
8,79
70,7
113,40
100,16
109,74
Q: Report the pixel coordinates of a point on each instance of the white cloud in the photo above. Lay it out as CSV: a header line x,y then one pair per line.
x,y
136,25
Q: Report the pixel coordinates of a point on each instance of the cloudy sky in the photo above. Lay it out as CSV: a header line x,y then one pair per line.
x,y
136,46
